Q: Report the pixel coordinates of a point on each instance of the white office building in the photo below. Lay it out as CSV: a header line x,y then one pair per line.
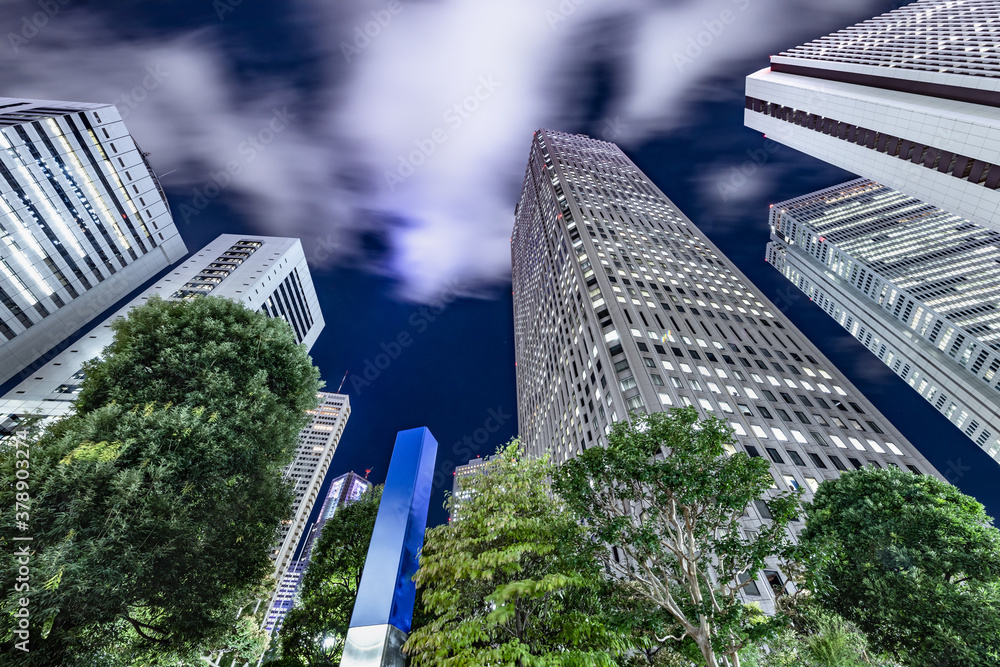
x,y
267,274
909,99
918,286
83,221
621,304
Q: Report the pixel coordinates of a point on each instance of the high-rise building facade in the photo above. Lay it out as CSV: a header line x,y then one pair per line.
x,y
83,221
621,304
918,286
344,490
268,274
317,444
908,99
459,495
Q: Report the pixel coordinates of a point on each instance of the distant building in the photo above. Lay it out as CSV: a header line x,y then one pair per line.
x,y
918,286
344,490
908,99
473,467
83,221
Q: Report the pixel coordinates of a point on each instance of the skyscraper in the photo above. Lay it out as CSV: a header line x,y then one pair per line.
x,y
268,274
344,490
317,443
907,99
918,286
622,304
83,221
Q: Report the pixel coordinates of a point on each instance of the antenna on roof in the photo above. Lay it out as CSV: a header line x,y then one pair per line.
x,y
342,382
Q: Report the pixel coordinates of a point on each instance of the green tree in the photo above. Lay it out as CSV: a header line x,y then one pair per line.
x,y
313,632
814,638
668,498
154,508
513,579
911,561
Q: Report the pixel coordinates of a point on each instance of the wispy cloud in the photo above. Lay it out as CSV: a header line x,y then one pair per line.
x,y
443,94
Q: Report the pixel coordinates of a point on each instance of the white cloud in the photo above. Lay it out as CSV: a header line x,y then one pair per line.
x,y
381,100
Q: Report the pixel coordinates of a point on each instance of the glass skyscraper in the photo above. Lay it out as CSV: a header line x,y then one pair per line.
x,y
907,99
621,304
918,286
83,221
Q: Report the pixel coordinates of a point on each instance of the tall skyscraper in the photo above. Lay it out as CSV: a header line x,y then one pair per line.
x,y
622,304
344,490
908,99
268,274
918,286
83,221
317,443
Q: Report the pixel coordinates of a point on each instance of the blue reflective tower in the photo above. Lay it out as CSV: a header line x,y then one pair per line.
x,y
383,610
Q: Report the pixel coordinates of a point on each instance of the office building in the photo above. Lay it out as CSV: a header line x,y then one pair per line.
x,y
621,304
918,286
344,490
475,466
267,274
83,221
908,99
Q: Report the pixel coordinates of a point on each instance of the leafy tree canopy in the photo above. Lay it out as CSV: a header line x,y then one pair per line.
x,y
154,508
911,561
669,500
513,580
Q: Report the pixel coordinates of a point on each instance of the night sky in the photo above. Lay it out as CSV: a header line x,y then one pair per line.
x,y
408,234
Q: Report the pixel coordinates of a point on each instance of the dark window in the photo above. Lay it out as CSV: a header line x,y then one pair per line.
x,y
769,396
817,461
854,462
784,415
875,427
764,412
751,588
774,581
752,451
775,456
762,509
805,401
837,463
802,417
857,408
796,459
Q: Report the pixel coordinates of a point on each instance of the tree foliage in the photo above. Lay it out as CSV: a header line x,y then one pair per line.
x,y
666,496
814,638
313,632
154,508
911,561
512,580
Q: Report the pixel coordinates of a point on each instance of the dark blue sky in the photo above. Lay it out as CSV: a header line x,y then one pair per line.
x,y
384,259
